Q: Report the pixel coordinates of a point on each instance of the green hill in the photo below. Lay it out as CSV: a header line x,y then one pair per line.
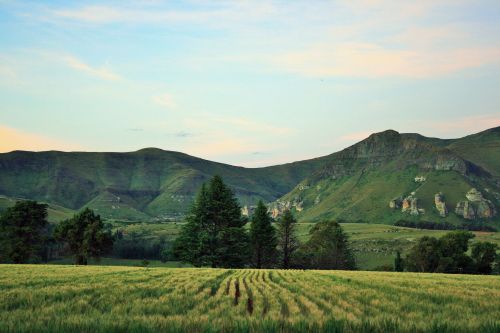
x,y
355,184
360,181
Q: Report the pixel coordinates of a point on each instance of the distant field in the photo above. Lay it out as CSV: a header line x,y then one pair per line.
x,y
38,298
374,245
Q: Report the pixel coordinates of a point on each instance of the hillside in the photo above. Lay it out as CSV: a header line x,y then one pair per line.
x,y
405,171
138,185
355,184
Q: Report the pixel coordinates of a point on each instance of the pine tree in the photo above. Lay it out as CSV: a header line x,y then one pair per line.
x,y
23,232
187,247
263,238
287,240
214,234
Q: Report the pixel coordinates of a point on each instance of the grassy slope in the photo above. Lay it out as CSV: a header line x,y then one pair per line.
x,y
482,149
151,181
363,195
118,299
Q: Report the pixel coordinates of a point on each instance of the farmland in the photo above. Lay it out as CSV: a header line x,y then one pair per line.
x,y
58,298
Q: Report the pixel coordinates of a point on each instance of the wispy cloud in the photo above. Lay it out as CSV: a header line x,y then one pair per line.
x,y
165,100
207,13
15,139
100,72
373,60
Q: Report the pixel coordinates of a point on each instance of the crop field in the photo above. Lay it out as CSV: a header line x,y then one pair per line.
x,y
57,298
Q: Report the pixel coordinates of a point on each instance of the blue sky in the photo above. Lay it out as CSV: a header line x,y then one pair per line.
x,y
250,83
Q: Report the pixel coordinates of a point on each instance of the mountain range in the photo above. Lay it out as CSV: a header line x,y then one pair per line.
x,y
385,178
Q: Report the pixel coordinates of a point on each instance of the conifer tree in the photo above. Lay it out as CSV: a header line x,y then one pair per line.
x,y
287,239
263,238
214,234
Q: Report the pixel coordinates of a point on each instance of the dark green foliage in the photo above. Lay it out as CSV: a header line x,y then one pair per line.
x,y
452,248
214,234
136,246
484,255
398,262
475,226
287,239
233,250
263,238
85,236
424,256
327,248
448,255
23,232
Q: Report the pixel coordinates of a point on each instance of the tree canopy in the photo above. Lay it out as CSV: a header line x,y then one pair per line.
x,y
85,236
327,248
448,254
23,232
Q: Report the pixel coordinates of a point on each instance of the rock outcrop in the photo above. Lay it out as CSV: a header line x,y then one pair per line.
x,y
465,209
476,206
440,204
396,203
410,205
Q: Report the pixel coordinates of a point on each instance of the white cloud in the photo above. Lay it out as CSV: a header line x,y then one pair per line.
x,y
373,60
101,72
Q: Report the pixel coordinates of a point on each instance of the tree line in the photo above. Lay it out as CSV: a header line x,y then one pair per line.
x,y
215,235
450,254
27,237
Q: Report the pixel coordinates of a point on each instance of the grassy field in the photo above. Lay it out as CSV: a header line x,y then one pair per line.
x,y
374,245
127,299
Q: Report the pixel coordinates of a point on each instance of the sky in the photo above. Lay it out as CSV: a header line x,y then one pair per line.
x,y
250,83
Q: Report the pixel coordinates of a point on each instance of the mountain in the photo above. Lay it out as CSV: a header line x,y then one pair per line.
x,y
138,185
391,176
356,184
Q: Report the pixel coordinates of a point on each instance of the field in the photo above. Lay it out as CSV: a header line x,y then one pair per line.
x,y
374,245
54,298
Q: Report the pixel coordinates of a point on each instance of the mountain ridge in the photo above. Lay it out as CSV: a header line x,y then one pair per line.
x,y
156,183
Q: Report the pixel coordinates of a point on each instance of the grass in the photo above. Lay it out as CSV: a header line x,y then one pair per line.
x,y
38,298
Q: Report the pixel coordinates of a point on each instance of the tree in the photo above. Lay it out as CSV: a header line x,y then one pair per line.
x,y
398,262
327,248
187,247
424,256
262,238
214,225
444,255
484,255
287,240
85,236
233,250
452,249
23,232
